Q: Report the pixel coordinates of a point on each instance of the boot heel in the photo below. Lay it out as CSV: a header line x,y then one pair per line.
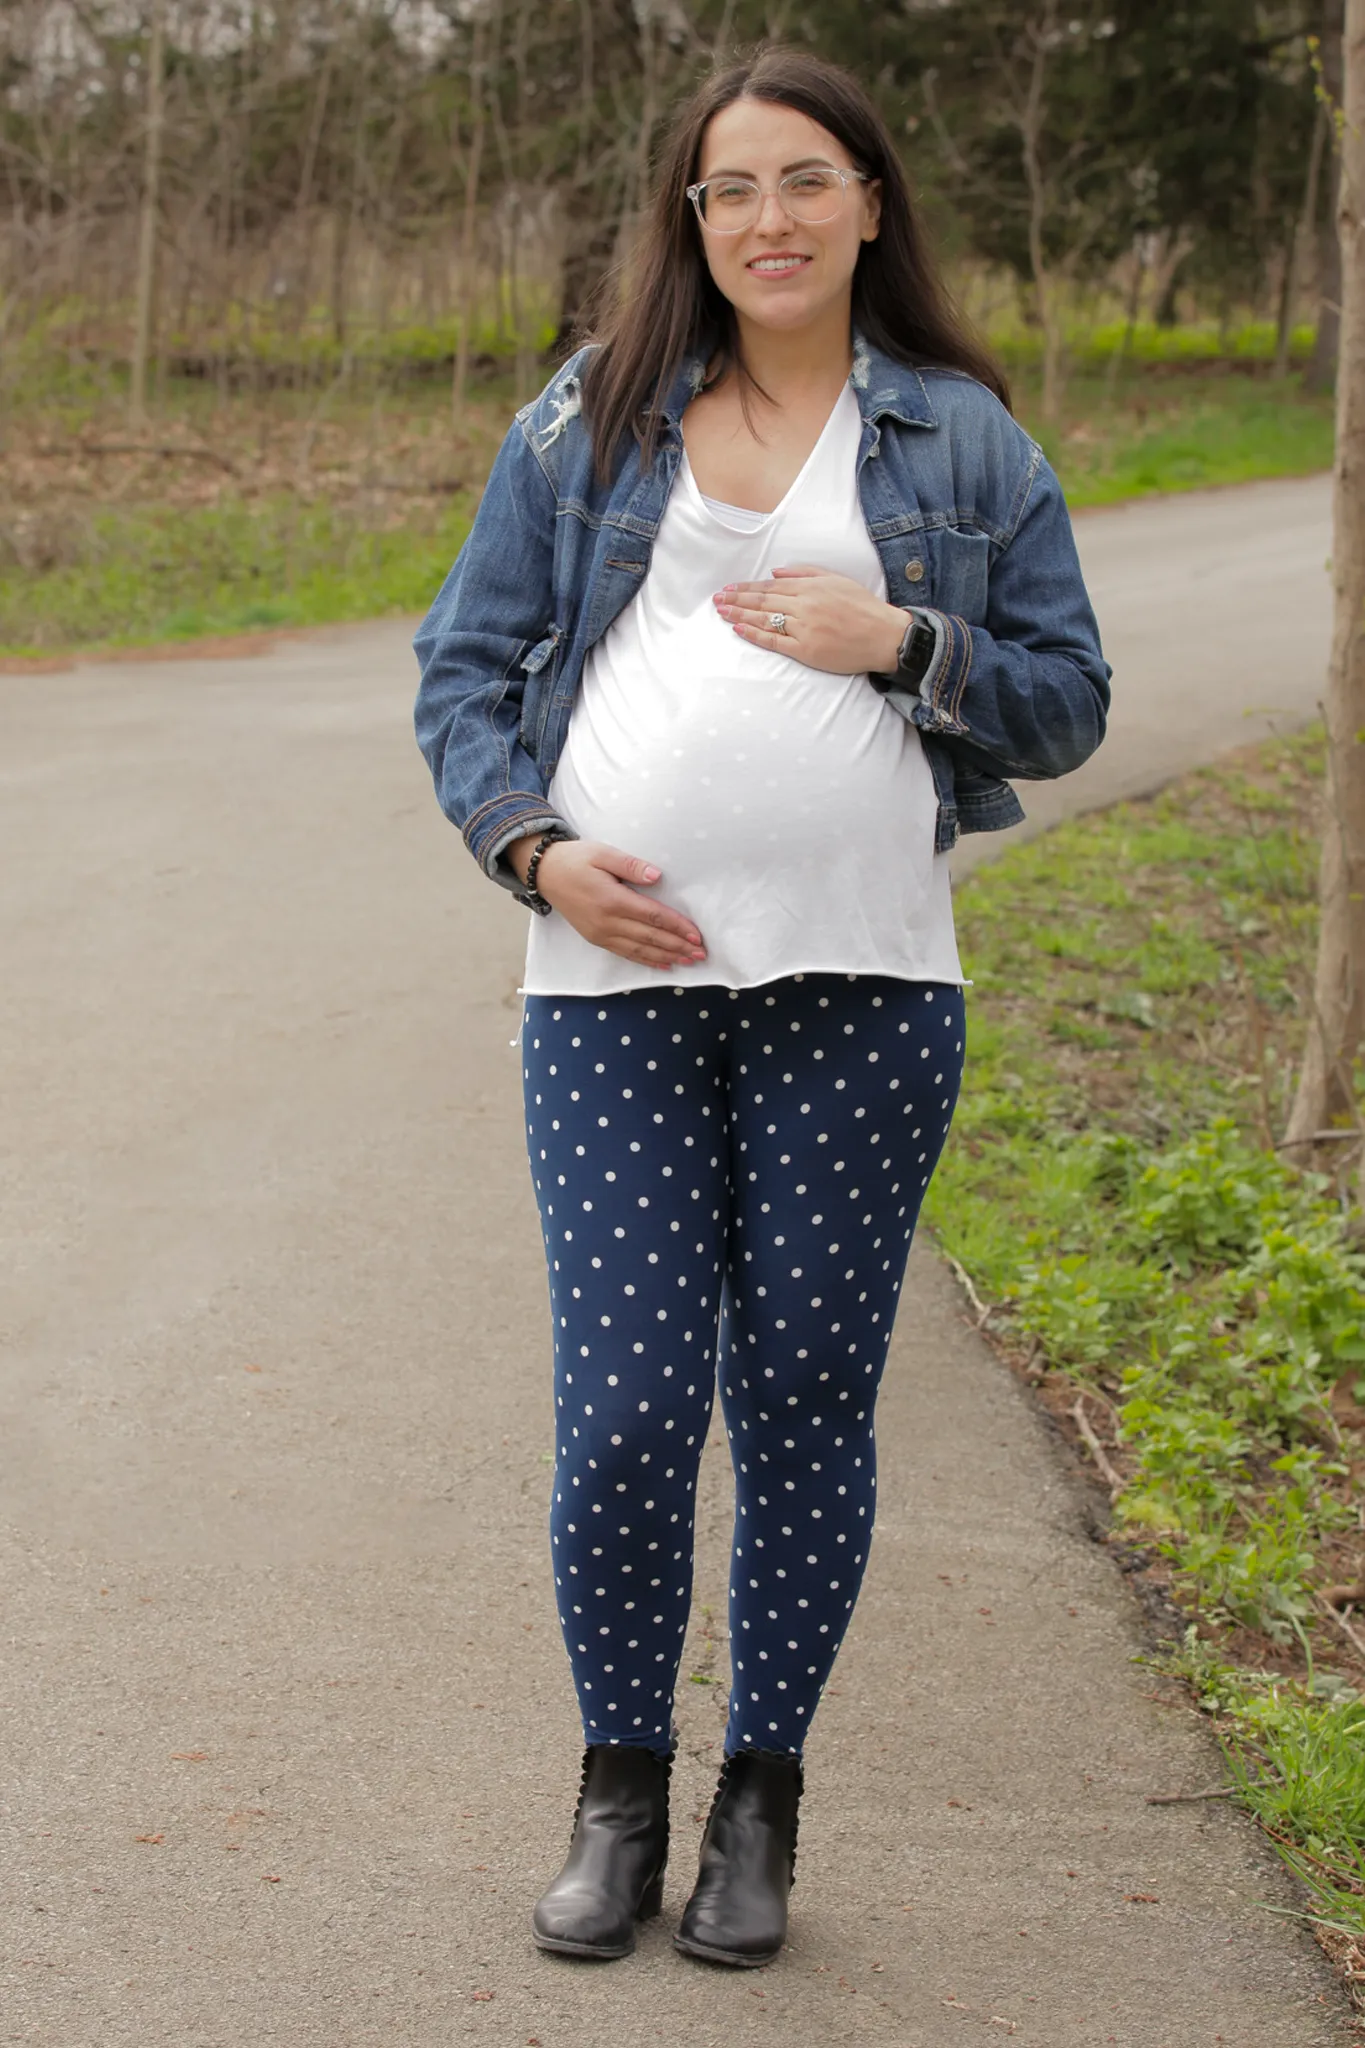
x,y
652,1904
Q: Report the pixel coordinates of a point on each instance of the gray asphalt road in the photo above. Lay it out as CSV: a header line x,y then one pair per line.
x,y
287,1735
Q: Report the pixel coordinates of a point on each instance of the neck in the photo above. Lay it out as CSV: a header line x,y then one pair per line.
x,y
791,365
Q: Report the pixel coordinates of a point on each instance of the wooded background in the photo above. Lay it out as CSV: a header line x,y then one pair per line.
x,y
234,191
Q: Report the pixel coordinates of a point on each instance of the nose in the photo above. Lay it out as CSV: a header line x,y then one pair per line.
x,y
773,217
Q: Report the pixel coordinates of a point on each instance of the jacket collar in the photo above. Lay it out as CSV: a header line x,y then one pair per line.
x,y
880,385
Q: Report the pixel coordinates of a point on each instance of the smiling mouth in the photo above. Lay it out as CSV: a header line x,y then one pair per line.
x,y
776,266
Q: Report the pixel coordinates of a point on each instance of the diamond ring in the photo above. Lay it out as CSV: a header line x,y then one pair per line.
x,y
777,621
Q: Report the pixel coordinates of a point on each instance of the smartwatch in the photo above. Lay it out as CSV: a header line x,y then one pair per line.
x,y
917,649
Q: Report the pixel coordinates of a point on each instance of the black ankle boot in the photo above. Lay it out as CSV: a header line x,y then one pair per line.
x,y
738,1911
614,1872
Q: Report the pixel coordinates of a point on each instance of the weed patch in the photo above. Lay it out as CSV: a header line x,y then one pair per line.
x,y
1114,1192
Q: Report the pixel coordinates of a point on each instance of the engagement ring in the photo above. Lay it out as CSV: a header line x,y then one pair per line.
x,y
778,621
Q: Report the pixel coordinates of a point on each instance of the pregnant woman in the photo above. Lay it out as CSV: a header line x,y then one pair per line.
x,y
766,597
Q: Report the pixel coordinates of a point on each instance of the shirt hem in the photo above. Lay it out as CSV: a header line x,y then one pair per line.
x,y
660,980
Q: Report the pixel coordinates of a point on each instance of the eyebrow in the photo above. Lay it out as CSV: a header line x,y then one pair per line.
x,y
802,164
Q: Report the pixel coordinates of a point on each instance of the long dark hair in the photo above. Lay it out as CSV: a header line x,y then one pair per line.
x,y
673,308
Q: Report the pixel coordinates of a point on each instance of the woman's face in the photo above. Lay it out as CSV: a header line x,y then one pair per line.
x,y
783,273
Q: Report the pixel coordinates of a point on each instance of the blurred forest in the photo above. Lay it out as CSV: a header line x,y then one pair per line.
x,y
235,190
274,273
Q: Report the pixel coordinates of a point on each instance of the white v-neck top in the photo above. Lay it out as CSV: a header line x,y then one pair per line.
x,y
791,811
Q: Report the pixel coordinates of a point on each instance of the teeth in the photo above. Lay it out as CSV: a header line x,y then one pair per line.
x,y
777,262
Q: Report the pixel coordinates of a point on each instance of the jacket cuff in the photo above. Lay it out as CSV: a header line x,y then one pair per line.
x,y
494,827
945,679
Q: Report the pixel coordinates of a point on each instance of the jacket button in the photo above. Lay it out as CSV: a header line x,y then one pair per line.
x,y
914,571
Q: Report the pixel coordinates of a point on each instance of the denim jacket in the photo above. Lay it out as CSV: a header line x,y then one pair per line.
x,y
961,505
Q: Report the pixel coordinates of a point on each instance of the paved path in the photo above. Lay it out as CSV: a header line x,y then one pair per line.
x,y
1215,609
287,1735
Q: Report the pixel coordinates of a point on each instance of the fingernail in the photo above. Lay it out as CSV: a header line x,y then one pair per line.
x,y
652,874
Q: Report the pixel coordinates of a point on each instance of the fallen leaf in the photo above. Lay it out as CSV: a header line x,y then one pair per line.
x,y
269,1880
253,1368
1143,1898
480,1997
189,1756
149,1838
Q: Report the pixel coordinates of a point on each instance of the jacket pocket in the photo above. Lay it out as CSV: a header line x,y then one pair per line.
x,y
960,565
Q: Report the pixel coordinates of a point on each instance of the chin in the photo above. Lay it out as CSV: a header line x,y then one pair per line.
x,y
793,311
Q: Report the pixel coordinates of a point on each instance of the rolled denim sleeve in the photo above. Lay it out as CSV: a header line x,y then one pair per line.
x,y
492,612
1028,688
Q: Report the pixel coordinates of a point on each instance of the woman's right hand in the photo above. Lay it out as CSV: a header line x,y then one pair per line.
x,y
596,889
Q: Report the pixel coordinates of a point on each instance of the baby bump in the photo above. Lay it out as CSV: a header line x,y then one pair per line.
x,y
728,789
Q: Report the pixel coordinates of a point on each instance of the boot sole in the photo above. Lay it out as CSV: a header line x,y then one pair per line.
x,y
731,1956
650,1906
582,1949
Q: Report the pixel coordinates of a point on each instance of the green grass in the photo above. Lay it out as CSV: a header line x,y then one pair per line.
x,y
298,537
1180,433
1113,1190
151,574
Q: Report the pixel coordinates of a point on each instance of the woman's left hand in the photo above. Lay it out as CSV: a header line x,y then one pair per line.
x,y
832,622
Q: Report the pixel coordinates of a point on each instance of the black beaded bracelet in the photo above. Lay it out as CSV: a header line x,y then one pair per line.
x,y
533,895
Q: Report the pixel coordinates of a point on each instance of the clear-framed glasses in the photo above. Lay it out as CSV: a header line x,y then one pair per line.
x,y
726,206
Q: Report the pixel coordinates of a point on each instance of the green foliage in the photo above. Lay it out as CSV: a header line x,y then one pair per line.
x,y
1186,118
1119,1198
1201,1202
1116,1193
1295,1751
123,573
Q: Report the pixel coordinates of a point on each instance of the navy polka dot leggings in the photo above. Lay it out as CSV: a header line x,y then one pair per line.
x,y
732,1176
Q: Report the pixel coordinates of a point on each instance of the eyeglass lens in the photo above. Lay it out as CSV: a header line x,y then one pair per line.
x,y
734,203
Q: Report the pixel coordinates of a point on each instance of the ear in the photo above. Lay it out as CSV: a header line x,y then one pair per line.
x,y
872,197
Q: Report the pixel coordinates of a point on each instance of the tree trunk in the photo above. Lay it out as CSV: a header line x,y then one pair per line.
x,y
146,241
587,264
1336,1030
1297,243
1118,356
1322,367
1030,135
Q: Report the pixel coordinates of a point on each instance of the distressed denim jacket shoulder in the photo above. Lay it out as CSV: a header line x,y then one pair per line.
x,y
974,538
